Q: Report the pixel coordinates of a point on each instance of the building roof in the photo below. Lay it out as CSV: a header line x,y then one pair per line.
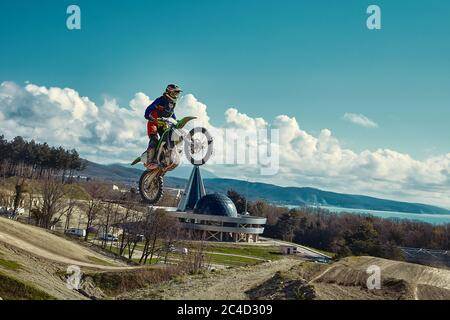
x,y
216,204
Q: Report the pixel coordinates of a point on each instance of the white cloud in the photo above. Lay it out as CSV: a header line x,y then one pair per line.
x,y
238,120
63,117
110,133
360,120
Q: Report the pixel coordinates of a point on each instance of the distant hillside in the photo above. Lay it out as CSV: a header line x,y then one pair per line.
x,y
304,196
271,193
131,175
113,172
182,172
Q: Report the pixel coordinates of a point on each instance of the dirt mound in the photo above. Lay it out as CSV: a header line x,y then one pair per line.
x,y
295,279
35,260
347,279
44,244
420,282
283,287
13,289
229,284
34,274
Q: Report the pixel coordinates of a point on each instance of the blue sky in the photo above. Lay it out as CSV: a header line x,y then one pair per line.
x,y
312,60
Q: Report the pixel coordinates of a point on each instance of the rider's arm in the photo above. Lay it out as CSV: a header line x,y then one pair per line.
x,y
174,117
148,112
150,109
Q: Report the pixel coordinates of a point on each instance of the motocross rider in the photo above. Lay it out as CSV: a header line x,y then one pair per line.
x,y
163,107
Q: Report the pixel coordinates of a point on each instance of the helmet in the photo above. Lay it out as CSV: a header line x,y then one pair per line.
x,y
173,91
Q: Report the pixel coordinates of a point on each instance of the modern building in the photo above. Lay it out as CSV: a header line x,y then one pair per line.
x,y
213,217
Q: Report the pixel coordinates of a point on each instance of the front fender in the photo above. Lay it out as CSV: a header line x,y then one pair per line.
x,y
184,121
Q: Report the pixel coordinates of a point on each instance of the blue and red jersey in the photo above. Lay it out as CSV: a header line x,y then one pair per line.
x,y
162,107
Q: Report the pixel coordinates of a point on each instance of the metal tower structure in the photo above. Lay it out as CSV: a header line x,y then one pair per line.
x,y
195,190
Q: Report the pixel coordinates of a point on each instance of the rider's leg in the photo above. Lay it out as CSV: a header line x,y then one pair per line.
x,y
151,150
152,131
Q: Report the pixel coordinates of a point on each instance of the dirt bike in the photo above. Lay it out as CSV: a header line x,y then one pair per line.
x,y
168,154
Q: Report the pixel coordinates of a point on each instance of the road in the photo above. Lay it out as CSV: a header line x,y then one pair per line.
x,y
305,252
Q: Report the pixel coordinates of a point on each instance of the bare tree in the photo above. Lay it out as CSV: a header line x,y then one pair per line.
x,y
130,224
20,189
93,206
196,259
71,204
156,225
52,203
107,221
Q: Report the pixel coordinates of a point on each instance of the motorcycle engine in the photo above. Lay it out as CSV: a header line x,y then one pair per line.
x,y
172,157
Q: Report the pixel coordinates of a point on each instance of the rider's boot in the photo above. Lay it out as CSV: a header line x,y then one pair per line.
x,y
150,155
150,164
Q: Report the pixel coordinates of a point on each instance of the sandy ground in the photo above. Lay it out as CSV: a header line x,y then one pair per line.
x,y
421,282
343,280
228,284
44,257
41,243
41,273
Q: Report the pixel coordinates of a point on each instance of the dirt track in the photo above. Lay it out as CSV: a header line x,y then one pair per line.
x,y
226,284
343,280
421,282
43,258
41,243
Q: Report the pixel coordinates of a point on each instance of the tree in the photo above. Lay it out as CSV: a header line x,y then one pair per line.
x,y
18,196
20,157
52,203
239,201
93,206
155,227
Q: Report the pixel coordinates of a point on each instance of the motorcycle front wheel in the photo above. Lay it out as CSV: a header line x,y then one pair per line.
x,y
151,186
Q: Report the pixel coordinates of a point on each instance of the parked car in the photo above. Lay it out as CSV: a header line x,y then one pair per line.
x,y
75,232
322,260
8,213
109,237
140,237
172,248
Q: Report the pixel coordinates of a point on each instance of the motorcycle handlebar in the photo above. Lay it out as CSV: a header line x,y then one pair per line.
x,y
167,120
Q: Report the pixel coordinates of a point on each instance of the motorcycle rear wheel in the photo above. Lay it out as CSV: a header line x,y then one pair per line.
x,y
151,186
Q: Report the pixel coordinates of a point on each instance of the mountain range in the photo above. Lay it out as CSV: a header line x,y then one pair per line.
x,y
294,196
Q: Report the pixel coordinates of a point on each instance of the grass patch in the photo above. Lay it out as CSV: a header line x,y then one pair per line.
x,y
232,260
13,289
10,265
156,260
116,250
267,253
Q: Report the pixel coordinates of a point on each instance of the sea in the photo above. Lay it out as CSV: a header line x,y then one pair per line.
x,y
436,219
